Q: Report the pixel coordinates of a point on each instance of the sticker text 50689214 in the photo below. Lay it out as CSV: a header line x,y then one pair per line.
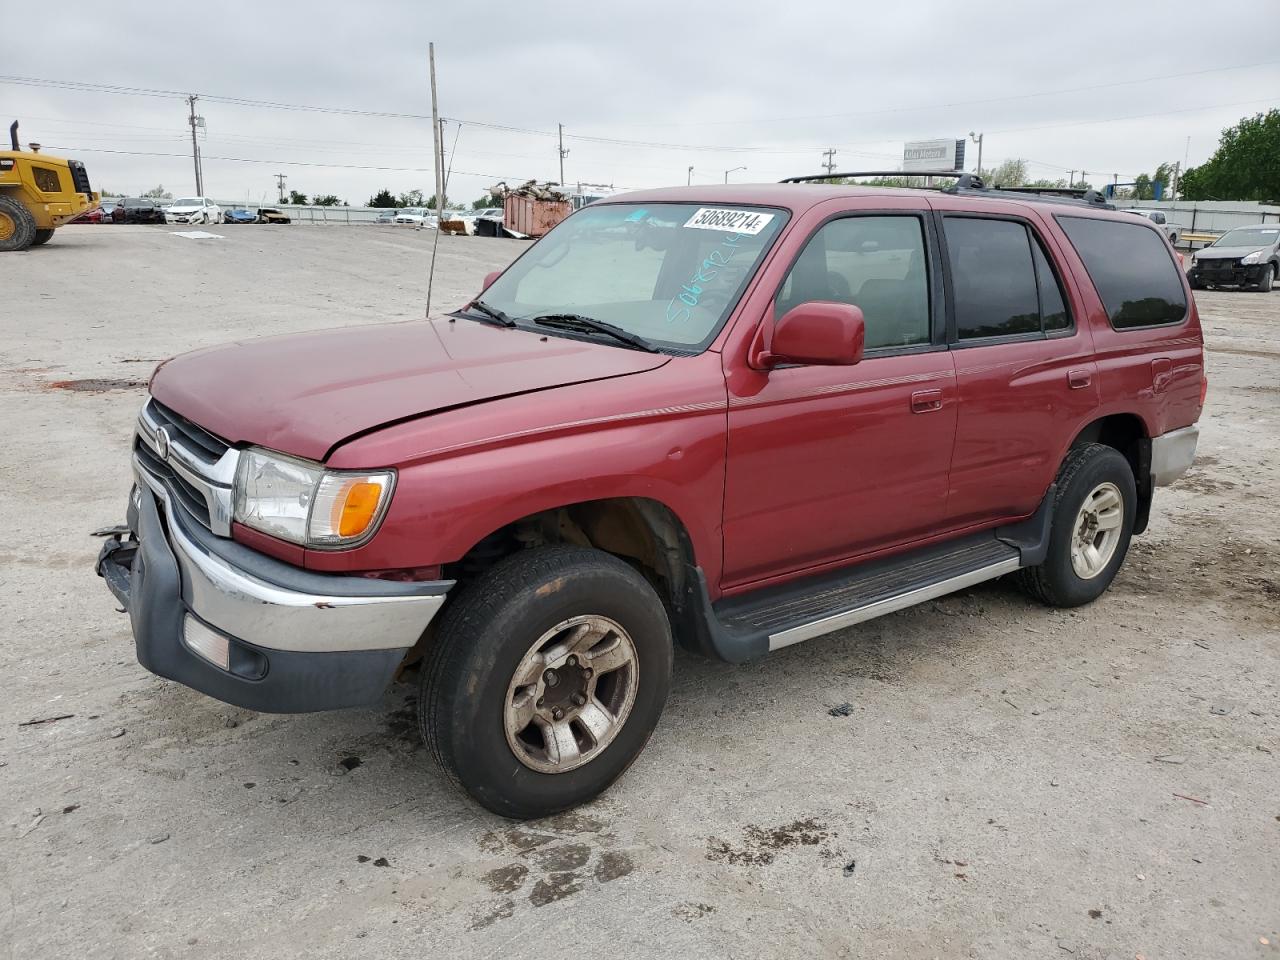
x,y
728,219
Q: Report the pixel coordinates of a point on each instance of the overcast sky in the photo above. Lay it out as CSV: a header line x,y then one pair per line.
x,y
766,86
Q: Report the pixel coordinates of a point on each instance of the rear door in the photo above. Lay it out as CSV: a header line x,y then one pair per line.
x,y
1025,371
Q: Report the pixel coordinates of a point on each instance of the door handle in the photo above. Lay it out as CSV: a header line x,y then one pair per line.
x,y
1079,379
926,401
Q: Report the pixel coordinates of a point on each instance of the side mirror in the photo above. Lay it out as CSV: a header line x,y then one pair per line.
x,y
489,278
818,333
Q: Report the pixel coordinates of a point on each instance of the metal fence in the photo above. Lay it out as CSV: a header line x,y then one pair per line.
x,y
1210,216
310,214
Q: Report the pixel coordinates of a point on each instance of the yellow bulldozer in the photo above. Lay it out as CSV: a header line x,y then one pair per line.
x,y
38,194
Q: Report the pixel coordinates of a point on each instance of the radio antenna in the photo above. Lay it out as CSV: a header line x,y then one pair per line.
x,y
437,162
453,151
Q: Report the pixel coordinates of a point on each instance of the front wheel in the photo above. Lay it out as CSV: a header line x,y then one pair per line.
x,y
546,680
1093,515
1265,277
17,226
42,236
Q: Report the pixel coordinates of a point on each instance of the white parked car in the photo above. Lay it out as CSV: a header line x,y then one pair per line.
x,y
193,210
1172,230
414,215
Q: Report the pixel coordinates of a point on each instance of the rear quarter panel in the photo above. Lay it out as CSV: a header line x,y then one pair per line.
x,y
1153,372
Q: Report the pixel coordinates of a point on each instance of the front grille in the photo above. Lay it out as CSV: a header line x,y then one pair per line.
x,y
201,442
194,466
80,177
184,492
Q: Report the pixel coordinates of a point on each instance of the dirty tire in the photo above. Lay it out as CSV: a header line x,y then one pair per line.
x,y
17,226
1055,581
42,236
1264,279
485,633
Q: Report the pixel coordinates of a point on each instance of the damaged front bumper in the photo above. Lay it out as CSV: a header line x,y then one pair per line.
x,y
249,630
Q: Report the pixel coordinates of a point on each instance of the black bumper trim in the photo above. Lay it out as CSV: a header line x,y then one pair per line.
x,y
144,576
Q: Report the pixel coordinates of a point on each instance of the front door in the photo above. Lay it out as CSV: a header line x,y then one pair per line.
x,y
828,463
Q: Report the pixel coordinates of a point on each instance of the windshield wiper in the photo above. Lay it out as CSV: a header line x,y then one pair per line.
x,y
494,315
576,321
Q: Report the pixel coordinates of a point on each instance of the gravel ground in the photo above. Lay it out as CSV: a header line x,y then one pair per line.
x,y
1007,780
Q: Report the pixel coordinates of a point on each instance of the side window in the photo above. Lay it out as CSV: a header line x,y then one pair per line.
x,y
1132,270
875,263
1053,308
1157,218
993,278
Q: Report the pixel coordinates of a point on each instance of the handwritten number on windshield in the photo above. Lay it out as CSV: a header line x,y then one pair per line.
x,y
680,307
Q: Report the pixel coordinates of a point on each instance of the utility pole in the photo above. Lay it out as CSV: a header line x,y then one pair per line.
x,y
280,179
563,153
734,170
444,167
195,147
1177,169
439,140
689,180
830,162
1084,179
1072,181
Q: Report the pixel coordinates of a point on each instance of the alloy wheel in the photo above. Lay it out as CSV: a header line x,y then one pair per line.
x,y
1096,532
571,694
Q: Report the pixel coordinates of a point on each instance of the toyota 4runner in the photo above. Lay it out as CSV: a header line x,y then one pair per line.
x,y
731,418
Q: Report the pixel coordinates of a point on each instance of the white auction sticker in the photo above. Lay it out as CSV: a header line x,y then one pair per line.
x,y
733,221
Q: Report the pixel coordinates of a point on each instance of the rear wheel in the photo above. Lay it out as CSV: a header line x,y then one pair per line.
x,y
546,680
1094,510
17,226
1265,278
42,236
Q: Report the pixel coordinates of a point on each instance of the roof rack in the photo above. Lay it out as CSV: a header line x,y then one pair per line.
x,y
972,184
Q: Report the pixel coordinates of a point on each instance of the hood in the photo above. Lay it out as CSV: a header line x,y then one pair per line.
x,y
306,393
1226,253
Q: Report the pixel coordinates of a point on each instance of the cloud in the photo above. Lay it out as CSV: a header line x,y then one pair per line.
x,y
754,84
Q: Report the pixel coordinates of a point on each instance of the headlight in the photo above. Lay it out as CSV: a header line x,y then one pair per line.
x,y
1255,257
302,502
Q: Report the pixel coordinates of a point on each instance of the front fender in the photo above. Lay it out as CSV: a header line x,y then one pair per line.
x,y
658,435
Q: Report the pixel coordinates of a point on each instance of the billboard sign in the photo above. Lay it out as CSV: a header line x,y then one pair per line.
x,y
933,155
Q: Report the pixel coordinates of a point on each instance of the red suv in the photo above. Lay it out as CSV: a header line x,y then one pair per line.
x,y
733,418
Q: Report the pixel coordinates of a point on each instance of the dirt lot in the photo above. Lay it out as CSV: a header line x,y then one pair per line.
x,y
1009,782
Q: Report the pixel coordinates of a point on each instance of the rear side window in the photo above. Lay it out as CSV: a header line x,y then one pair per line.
x,y
993,278
1052,306
1131,269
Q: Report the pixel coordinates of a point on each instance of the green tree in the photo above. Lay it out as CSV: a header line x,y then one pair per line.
x,y
431,202
1060,184
1246,165
383,199
299,199
159,193
488,200
411,199
327,200
1142,188
1010,173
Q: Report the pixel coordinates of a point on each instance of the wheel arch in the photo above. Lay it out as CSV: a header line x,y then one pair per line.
x,y
1127,433
643,531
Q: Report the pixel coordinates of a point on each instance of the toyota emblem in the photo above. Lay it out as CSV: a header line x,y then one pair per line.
x,y
162,443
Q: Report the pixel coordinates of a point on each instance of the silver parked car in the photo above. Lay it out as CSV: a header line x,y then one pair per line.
x,y
1245,256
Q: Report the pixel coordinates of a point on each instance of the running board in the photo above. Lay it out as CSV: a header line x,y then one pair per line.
x,y
745,626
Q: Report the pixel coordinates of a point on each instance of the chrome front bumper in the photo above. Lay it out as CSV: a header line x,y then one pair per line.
x,y
291,640
280,607
1172,454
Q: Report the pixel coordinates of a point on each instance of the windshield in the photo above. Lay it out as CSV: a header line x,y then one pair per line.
x,y
669,272
1248,237
186,202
